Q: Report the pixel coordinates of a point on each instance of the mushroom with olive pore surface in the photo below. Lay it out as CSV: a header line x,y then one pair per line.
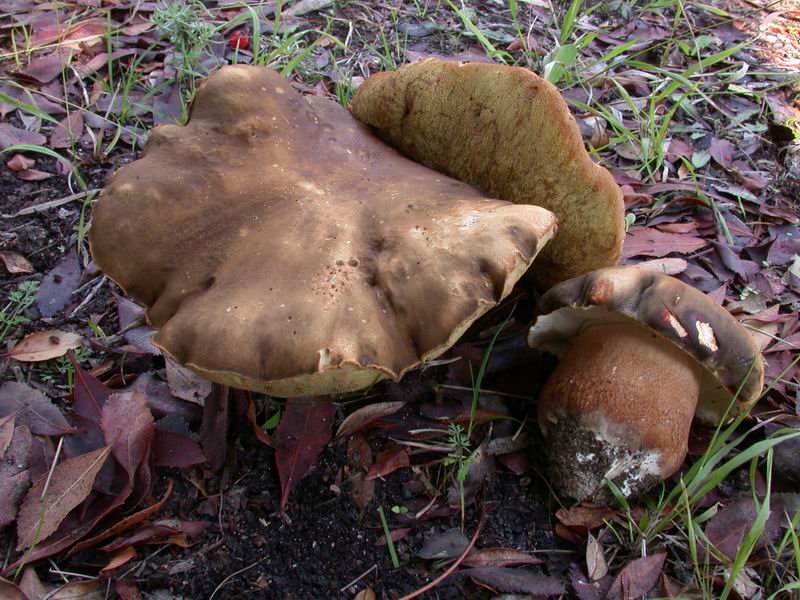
x,y
281,247
509,132
641,354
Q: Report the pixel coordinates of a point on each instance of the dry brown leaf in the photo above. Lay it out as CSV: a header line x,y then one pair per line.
x,y
499,557
33,409
590,517
6,432
186,384
390,459
44,345
120,558
15,263
81,590
365,415
10,591
596,566
365,594
71,484
32,586
20,162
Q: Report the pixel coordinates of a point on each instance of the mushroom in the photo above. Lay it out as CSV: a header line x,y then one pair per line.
x,y
511,133
281,247
641,354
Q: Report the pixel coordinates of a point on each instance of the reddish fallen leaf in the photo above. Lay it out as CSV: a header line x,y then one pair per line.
x,y
300,437
516,462
185,383
722,152
45,68
6,431
33,409
14,474
128,426
44,345
89,395
391,458
519,581
20,162
67,131
70,485
362,490
668,266
55,291
126,523
395,534
32,586
214,428
127,590
33,175
120,558
499,557
259,432
727,528
164,531
11,136
647,241
173,448
366,415
637,578
10,591
161,401
590,517
359,453
585,589
15,263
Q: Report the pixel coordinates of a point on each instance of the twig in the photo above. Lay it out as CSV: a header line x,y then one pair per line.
x,y
359,578
50,204
457,562
232,575
88,297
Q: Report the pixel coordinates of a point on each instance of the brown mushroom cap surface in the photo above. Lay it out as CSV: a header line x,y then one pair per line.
x,y
279,246
675,311
509,132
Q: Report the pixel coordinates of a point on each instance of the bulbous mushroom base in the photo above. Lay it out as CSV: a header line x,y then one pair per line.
x,y
619,407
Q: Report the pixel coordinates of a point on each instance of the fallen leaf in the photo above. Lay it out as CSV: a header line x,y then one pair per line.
x,y
127,590
44,69
32,586
727,528
365,594
185,383
163,531
55,291
392,457
362,490
596,565
259,432
519,581
44,345
14,474
722,152
450,544
20,162
11,136
637,577
33,409
15,263
172,448
585,589
364,416
162,402
6,431
667,266
214,428
70,485
300,437
127,426
120,558
81,590
10,591
89,394
68,130
499,557
126,523
589,517
646,241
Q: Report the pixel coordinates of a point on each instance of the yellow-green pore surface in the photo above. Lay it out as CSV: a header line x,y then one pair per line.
x,y
509,132
281,247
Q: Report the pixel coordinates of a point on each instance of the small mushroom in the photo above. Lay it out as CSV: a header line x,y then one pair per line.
x,y
641,354
509,132
281,247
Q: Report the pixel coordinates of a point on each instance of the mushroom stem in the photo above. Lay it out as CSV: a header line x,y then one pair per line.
x,y
618,406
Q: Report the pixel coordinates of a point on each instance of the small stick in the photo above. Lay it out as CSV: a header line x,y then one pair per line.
x,y
359,578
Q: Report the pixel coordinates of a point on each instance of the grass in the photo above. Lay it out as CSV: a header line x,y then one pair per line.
x,y
12,314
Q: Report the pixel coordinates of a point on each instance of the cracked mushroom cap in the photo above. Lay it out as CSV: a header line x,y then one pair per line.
x,y
689,319
279,246
509,132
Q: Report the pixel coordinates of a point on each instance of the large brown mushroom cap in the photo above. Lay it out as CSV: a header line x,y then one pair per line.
x,y
509,132
281,247
668,307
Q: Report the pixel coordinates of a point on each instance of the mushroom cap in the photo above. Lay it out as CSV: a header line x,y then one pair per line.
x,y
281,247
509,132
679,313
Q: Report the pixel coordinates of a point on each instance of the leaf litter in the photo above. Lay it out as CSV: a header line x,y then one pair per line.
x,y
721,199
